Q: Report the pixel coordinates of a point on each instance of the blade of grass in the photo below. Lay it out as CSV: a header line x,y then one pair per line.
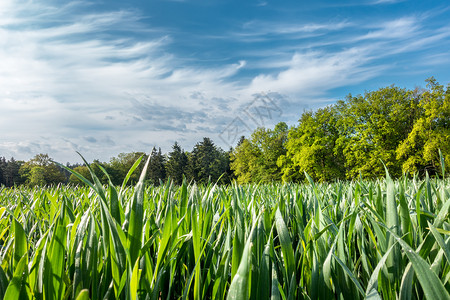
x,y
430,283
239,288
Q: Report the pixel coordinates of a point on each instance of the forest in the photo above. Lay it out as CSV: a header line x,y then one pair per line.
x,y
407,130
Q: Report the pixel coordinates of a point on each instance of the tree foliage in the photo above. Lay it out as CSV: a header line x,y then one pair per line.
x,y
9,172
118,167
255,159
207,162
404,129
400,128
311,148
41,171
176,164
430,132
371,127
156,168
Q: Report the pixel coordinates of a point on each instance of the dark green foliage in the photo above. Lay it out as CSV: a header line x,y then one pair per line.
x,y
206,162
176,164
156,168
118,167
9,172
41,171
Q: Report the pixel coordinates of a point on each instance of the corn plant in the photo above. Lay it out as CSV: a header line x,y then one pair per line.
x,y
380,239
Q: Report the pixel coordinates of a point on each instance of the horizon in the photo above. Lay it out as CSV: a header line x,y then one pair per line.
x,y
103,78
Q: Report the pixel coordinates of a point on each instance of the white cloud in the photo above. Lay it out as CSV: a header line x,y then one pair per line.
x,y
386,1
397,29
315,73
65,81
69,83
262,30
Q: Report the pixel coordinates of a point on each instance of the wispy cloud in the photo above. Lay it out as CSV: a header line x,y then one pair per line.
x,y
386,1
314,73
394,29
106,82
257,30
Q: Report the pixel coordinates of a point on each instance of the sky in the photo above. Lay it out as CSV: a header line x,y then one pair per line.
x,y
106,77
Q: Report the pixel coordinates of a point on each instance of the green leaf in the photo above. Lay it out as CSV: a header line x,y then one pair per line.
x,y
238,240
83,295
407,283
371,290
431,284
350,274
239,288
3,283
54,268
134,284
275,291
286,244
136,217
130,172
440,242
17,286
392,222
20,242
442,163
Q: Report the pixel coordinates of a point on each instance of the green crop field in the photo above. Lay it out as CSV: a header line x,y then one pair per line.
x,y
346,240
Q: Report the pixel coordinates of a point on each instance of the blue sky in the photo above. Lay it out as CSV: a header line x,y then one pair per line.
x,y
104,77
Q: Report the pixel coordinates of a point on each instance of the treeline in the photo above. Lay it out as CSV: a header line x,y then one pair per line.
x,y
206,162
404,129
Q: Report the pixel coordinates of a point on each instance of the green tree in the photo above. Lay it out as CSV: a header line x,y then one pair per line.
x,y
119,166
255,160
37,176
371,127
11,173
3,165
41,171
82,170
206,162
244,162
311,148
228,175
419,151
156,168
176,164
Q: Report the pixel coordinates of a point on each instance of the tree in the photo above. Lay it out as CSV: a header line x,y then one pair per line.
x,y
156,168
3,165
176,164
430,133
119,166
37,176
83,171
255,159
311,148
228,175
244,162
206,162
11,172
41,171
370,129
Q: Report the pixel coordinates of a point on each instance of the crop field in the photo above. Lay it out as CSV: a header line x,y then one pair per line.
x,y
345,240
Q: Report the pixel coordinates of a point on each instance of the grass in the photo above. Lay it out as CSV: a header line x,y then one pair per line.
x,y
347,240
